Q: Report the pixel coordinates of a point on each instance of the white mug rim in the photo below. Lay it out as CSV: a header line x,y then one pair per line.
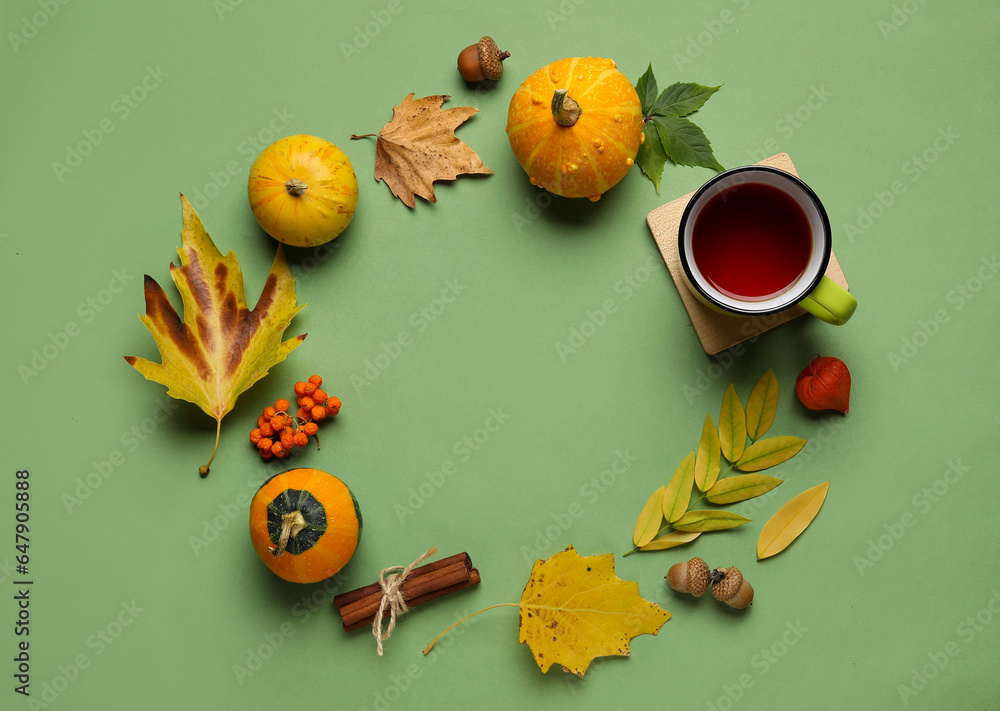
x,y
796,292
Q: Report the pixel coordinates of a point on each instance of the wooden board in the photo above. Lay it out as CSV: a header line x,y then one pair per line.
x,y
715,330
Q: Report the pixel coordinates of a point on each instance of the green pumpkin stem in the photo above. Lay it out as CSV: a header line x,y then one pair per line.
x,y
565,110
291,526
295,187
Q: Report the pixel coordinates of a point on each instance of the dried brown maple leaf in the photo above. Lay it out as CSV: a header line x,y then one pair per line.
x,y
419,146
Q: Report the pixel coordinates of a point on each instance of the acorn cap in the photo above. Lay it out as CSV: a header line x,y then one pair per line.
x,y
491,58
698,577
729,585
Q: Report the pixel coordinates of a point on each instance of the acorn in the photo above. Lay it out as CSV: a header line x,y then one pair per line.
x,y
690,577
729,586
482,61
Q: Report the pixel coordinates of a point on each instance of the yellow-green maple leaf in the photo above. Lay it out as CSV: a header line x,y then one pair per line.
x,y
222,347
575,608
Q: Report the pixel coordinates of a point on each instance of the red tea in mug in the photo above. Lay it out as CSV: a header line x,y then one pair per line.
x,y
751,241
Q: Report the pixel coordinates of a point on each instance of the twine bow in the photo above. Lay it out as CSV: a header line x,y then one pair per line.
x,y
392,597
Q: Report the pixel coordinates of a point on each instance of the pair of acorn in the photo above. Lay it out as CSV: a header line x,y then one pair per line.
x,y
728,584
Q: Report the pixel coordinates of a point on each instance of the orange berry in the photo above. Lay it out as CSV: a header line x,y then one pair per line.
x,y
301,439
266,454
318,412
260,421
310,388
303,414
255,435
266,430
287,440
310,428
265,444
269,412
278,422
300,388
319,396
277,449
306,402
316,380
333,406
281,405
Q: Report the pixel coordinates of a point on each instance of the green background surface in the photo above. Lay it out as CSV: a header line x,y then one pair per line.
x,y
888,111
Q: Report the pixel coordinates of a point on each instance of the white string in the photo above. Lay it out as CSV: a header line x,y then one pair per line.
x,y
392,597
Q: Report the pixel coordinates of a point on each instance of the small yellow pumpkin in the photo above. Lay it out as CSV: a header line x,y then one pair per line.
x,y
575,126
303,190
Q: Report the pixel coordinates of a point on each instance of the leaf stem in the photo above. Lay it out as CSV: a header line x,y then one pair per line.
x,y
355,137
428,648
203,469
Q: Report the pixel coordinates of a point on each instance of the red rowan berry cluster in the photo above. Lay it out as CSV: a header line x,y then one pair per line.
x,y
278,431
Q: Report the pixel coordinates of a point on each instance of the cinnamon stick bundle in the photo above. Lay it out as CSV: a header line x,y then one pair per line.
x,y
428,582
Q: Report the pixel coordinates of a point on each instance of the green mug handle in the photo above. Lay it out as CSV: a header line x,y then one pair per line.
x,y
830,302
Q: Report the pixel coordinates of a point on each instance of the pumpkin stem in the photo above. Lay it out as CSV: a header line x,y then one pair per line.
x,y
295,187
564,109
291,526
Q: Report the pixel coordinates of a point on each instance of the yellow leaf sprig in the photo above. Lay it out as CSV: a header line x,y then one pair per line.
x,y
668,518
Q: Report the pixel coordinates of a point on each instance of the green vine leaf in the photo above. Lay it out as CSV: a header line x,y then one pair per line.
x,y
740,488
709,460
677,494
649,520
709,520
769,452
670,540
762,405
732,426
681,99
668,135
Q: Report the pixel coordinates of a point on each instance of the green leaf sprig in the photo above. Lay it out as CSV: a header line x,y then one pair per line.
x,y
669,135
668,518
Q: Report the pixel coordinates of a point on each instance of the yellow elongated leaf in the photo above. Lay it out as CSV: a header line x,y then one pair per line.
x,y
762,405
575,609
790,520
740,488
670,540
769,452
221,347
650,519
732,426
677,494
708,463
709,520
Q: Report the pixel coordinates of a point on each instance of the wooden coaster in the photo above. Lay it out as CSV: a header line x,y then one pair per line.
x,y
715,330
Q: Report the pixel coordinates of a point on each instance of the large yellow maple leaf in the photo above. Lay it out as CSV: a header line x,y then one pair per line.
x,y
575,609
221,347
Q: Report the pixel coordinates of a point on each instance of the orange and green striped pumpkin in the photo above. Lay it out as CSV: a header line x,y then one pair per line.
x,y
305,525
575,126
